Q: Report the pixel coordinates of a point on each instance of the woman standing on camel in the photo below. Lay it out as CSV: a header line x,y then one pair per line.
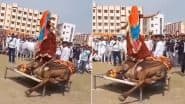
x,y
136,47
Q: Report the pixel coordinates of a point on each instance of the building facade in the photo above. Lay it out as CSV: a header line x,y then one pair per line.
x,y
66,31
110,19
154,25
82,38
21,20
175,28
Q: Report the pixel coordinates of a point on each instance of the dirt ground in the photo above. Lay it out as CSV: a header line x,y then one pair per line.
x,y
108,92
12,89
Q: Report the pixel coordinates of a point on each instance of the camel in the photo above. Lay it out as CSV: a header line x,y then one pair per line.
x,y
53,71
146,72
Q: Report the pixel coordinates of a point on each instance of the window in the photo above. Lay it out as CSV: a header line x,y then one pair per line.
x,y
123,8
12,22
1,26
29,20
35,15
112,24
19,17
30,14
94,30
20,12
99,17
94,10
3,8
13,16
27,31
18,23
2,14
117,11
94,24
117,31
152,18
23,24
17,29
112,31
33,26
106,30
64,27
99,30
99,11
105,24
25,13
1,20
117,24
111,11
14,10
33,32
99,24
24,19
22,30
28,25
34,20
117,18
105,17
105,11
152,25
93,17
111,17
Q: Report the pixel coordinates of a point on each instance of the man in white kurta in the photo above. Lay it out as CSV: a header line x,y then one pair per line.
x,y
160,48
65,54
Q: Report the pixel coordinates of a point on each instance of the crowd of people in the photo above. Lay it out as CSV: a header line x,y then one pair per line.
x,y
114,50
17,47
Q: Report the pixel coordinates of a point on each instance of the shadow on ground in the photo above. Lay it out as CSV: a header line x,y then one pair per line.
x,y
147,91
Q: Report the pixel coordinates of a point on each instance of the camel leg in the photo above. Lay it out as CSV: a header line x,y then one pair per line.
x,y
125,95
29,91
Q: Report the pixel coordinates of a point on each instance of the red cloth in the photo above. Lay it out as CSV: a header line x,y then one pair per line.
x,y
48,46
142,53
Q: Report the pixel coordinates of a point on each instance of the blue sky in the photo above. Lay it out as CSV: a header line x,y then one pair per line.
x,y
72,11
172,9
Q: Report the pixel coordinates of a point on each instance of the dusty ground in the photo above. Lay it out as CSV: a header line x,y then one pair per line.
x,y
12,89
108,92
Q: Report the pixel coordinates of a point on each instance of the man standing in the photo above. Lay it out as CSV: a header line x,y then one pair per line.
x,y
11,49
66,51
116,51
182,54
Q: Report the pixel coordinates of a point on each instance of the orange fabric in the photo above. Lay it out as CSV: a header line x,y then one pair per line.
x,y
134,16
43,19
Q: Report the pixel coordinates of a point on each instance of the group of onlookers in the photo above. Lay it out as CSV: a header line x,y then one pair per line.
x,y
80,55
114,50
17,48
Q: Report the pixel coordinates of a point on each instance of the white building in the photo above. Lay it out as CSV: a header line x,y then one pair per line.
x,y
21,20
66,31
154,25
110,19
175,28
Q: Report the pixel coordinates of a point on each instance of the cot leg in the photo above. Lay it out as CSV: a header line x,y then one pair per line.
x,y
94,81
141,94
5,75
44,90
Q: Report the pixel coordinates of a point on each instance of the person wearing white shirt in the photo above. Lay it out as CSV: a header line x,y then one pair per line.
x,y
160,48
102,49
116,51
11,49
66,52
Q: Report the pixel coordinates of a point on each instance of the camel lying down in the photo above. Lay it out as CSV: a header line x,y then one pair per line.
x,y
146,72
53,71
